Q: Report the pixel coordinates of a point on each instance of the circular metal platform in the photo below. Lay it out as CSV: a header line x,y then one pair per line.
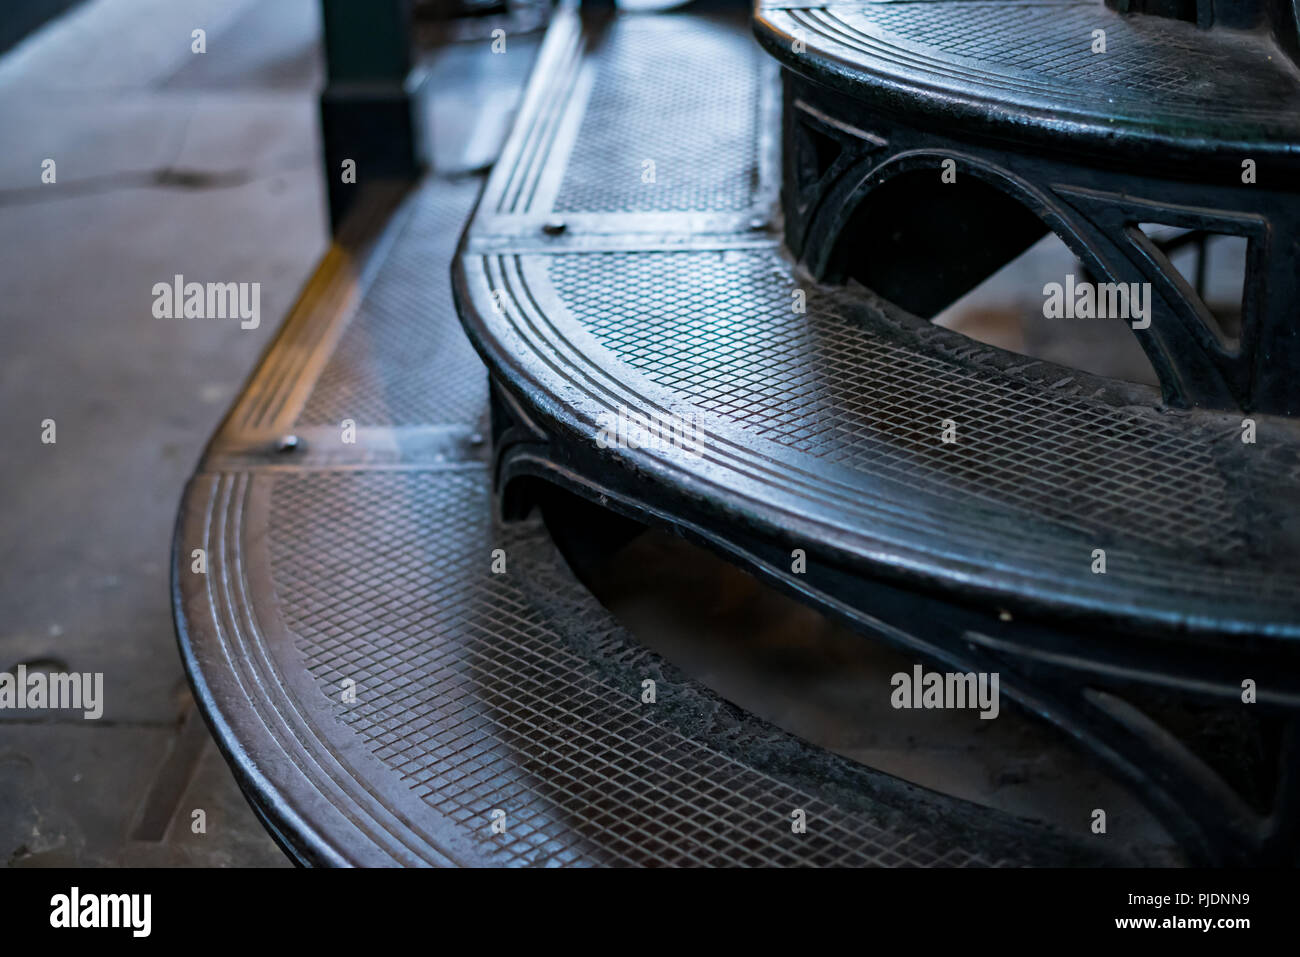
x,y
1160,90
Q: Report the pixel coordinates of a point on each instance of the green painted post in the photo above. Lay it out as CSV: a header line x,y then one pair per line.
x,y
369,119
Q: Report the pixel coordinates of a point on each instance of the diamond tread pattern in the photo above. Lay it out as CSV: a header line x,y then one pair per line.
x,y
472,696
717,329
1043,471
403,359
1045,48
653,104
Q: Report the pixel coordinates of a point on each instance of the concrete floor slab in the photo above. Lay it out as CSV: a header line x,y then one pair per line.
x,y
112,46
219,184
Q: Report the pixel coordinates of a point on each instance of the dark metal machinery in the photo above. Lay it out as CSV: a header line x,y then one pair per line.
x,y
667,192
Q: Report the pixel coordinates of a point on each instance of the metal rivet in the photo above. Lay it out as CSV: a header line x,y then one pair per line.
x,y
286,443
553,227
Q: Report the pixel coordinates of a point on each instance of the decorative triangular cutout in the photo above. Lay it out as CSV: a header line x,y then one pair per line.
x,y
1007,310
1214,267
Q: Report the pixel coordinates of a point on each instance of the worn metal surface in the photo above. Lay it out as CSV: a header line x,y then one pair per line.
x,y
827,421
395,365
1163,90
821,430
475,692
1045,129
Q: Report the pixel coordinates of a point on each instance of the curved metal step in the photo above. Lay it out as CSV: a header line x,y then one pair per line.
x,y
387,668
387,696
988,511
1160,89
929,143
821,410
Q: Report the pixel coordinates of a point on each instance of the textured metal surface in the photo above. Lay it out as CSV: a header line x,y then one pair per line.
x,y
1053,40
476,696
477,691
652,103
628,105
836,415
474,691
821,421
996,59
1138,119
399,362
831,418
718,331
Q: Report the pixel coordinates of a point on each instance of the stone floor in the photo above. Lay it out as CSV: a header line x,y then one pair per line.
x,y
167,162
